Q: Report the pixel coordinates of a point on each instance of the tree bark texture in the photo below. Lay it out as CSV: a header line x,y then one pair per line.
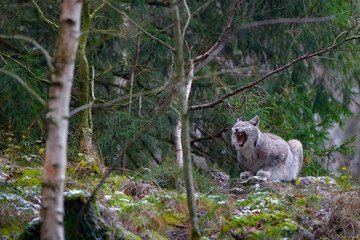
x,y
86,145
178,127
57,120
185,132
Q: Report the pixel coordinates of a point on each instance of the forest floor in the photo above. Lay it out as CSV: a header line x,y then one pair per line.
x,y
151,204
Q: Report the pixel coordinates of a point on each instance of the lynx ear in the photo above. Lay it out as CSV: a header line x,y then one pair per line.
x,y
255,121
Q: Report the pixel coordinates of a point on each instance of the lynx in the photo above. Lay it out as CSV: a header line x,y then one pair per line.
x,y
265,154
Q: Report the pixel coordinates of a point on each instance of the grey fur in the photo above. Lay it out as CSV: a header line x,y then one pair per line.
x,y
265,154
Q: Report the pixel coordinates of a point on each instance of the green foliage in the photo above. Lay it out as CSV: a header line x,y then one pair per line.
x,y
302,102
20,148
169,176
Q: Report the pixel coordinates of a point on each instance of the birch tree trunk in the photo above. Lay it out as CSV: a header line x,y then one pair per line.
x,y
177,131
57,120
185,130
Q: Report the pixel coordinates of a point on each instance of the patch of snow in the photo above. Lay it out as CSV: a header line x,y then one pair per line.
x,y
245,211
74,192
124,199
107,197
214,196
222,202
274,201
34,220
22,205
313,180
114,209
118,192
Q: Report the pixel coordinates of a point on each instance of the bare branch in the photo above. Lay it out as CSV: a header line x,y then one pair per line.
x,y
138,26
93,14
158,3
210,136
36,44
222,36
116,100
54,25
286,21
242,88
24,84
187,21
25,67
133,69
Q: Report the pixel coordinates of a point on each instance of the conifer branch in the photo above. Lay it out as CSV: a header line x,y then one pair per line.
x,y
24,84
146,33
36,44
269,74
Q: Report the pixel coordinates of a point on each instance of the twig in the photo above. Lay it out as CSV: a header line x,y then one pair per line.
x,y
116,100
222,36
188,20
93,14
138,26
36,44
285,21
25,67
280,69
54,25
216,135
133,69
24,84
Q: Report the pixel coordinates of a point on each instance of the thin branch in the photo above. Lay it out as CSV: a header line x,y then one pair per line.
x,y
216,135
116,100
146,33
242,88
222,36
286,21
54,25
24,84
158,3
25,67
188,20
93,14
36,44
133,69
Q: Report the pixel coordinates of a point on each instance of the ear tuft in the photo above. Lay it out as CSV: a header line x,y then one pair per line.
x,y
255,121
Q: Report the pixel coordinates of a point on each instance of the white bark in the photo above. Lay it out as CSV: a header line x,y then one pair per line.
x,y
185,131
177,131
57,120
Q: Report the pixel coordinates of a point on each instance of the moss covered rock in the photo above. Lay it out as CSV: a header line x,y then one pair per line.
x,y
91,226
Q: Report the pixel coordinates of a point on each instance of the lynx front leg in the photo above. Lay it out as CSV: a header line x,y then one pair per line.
x,y
246,175
264,174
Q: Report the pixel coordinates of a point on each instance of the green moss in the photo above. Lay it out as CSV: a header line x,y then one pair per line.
x,y
253,220
283,228
29,178
272,225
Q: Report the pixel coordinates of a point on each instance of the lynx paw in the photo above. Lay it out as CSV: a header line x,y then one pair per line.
x,y
245,175
263,174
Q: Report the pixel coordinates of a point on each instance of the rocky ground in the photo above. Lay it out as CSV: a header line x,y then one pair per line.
x,y
154,207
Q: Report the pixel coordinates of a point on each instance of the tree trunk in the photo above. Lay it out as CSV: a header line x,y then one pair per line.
x,y
86,145
85,119
57,120
185,133
177,131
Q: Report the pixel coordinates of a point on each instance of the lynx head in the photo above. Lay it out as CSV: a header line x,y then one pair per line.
x,y
245,133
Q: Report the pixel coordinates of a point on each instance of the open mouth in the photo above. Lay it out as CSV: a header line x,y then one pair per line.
x,y
241,138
